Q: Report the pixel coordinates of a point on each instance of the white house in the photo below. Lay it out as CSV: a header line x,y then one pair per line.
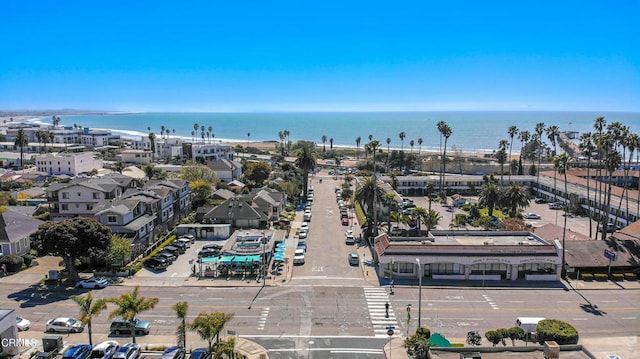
x,y
68,163
139,157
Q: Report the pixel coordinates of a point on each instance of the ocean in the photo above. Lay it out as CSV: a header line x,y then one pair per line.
x,y
472,131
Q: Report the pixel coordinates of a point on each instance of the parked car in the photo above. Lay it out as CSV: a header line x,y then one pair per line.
x,y
200,353
350,239
354,259
307,215
190,237
173,250
540,200
128,351
303,233
302,245
79,351
304,225
182,247
105,350
208,252
395,230
556,205
157,263
64,324
611,227
174,352
125,326
532,216
92,283
186,241
345,221
166,255
298,257
22,324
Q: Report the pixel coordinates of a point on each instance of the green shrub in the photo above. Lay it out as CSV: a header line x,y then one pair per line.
x,y
493,336
586,276
557,331
617,276
28,259
630,276
423,332
601,276
12,262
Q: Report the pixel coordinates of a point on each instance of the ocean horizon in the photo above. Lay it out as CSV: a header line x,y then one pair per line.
x,y
472,131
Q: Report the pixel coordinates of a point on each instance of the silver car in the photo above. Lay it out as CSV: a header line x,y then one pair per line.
x,y
63,324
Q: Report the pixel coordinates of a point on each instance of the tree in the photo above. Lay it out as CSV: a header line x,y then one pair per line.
x,y
192,172
501,157
587,148
489,197
257,172
331,143
306,161
515,333
420,142
21,140
209,325
368,194
493,336
130,304
402,136
446,132
71,239
556,330
358,139
210,133
152,142
512,131
561,164
89,309
524,137
181,309
419,213
538,136
417,346
201,191
431,219
552,134
515,197
119,166
119,251
324,143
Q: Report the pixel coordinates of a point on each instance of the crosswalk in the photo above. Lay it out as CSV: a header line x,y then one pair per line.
x,y
376,299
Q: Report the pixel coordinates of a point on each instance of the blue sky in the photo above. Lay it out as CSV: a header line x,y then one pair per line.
x,y
320,55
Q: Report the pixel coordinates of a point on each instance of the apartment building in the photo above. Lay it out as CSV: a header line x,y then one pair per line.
x,y
71,164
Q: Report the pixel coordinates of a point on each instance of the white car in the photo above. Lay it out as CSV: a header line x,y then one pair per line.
x,y
128,351
304,225
22,324
64,324
298,257
349,232
92,283
303,233
531,216
105,350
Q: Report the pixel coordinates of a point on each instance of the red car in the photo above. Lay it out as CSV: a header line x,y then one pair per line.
x,y
345,221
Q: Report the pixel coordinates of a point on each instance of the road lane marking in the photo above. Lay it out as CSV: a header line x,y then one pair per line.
x,y
628,318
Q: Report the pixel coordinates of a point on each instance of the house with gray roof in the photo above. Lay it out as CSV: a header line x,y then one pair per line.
x,y
227,170
15,229
239,212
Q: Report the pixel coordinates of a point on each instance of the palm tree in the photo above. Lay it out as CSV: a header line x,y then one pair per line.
x,y
174,132
445,131
562,163
196,127
411,143
88,309
324,141
598,125
287,134
210,130
130,304
331,143
419,213
306,161
181,309
420,144
489,196
501,156
633,144
21,140
552,135
512,131
152,140
162,128
209,325
167,131
193,136
248,140
612,161
515,197
587,148
524,137
388,143
539,130
431,219
402,135
368,194
282,136
358,139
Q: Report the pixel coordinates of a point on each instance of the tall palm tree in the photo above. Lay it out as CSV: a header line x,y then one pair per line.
x,y
152,141
130,304
21,140
331,143
538,135
501,156
174,132
512,131
562,164
196,128
587,148
324,143
286,135
445,131
181,308
419,213
210,129
411,143
388,155
599,125
209,325
281,136
306,161
162,128
89,309
167,131
202,132
402,136
368,194
489,196
420,142
524,137
633,144
358,139
612,162
552,134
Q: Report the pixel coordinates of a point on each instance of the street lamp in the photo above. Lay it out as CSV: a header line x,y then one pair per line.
x,y
264,260
391,281
419,293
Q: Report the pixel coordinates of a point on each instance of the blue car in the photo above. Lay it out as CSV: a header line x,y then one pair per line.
x,y
200,353
80,351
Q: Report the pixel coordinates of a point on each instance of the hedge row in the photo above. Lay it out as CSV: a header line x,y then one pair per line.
x,y
556,330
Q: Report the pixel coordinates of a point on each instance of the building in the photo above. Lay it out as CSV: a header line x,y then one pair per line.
x,y
71,164
138,157
15,229
469,255
226,170
208,152
9,343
